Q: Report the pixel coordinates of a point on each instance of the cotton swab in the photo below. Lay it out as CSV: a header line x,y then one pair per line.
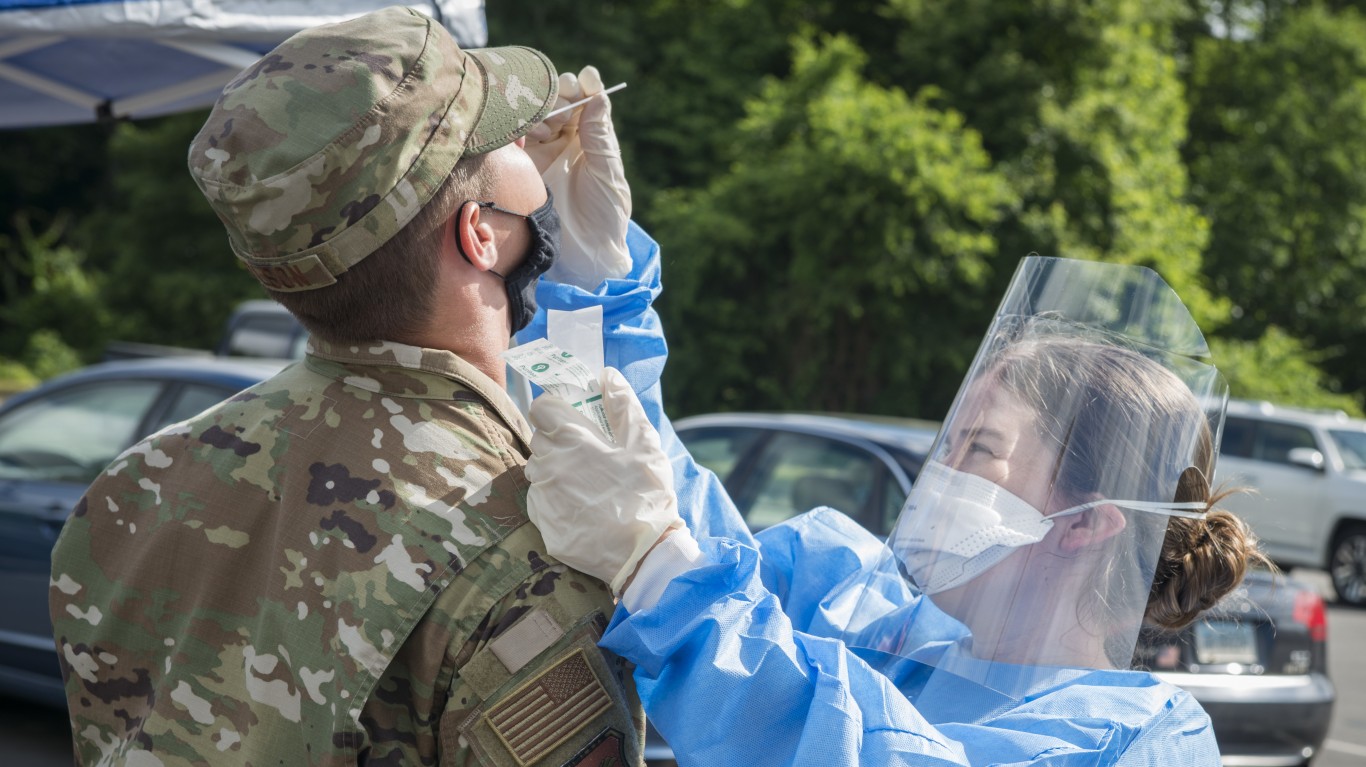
x,y
580,102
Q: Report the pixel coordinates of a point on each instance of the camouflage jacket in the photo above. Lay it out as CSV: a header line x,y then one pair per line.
x,y
334,567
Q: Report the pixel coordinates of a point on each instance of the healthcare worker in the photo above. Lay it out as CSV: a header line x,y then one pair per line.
x,y
1065,505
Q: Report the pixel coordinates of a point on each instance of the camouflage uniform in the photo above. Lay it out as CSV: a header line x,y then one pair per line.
x,y
336,562
335,566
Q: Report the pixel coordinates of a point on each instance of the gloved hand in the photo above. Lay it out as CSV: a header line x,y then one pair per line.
x,y
600,506
580,161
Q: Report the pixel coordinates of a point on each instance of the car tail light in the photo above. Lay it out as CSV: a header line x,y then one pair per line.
x,y
1309,613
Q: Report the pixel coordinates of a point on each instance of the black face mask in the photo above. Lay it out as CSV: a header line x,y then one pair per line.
x,y
520,283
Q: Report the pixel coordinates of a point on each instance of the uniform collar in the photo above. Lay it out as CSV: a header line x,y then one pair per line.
x,y
400,370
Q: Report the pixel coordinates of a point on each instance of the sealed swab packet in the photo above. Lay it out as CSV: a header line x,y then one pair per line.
x,y
563,375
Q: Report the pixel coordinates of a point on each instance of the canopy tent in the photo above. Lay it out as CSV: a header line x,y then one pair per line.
x,y
66,61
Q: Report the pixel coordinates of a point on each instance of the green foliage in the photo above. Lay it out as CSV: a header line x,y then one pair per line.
x,y
1081,107
1081,114
49,172
842,189
851,229
1277,150
691,66
1279,368
47,355
15,377
45,288
171,277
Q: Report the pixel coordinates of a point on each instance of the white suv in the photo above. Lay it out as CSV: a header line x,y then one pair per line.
x,y
1309,470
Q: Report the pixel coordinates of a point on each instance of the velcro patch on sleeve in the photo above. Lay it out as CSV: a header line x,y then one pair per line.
x,y
528,637
549,709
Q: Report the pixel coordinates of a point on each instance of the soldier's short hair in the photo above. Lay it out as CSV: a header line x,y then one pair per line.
x,y
389,294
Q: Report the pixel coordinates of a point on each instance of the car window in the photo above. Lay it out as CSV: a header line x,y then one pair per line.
x,y
1237,439
798,472
893,497
265,335
719,448
1352,446
192,400
1274,441
72,434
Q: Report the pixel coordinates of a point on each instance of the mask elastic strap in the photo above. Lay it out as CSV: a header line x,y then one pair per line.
x,y
1186,510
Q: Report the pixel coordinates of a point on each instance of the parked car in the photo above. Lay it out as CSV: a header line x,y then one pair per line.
x,y
778,465
1258,664
257,328
54,440
1308,468
262,328
1257,661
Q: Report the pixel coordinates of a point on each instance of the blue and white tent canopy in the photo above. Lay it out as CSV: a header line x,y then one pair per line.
x,y
66,61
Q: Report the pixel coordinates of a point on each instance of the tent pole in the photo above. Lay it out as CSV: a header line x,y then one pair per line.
x,y
227,55
143,102
21,45
50,87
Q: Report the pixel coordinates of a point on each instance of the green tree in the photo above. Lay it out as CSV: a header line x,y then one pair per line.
x,y
1278,141
1277,368
1081,107
47,290
49,172
691,66
49,299
170,276
838,262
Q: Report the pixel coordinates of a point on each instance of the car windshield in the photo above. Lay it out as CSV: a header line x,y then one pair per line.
x,y
910,463
1352,446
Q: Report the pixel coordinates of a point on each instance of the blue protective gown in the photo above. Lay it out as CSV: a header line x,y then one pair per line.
x,y
735,664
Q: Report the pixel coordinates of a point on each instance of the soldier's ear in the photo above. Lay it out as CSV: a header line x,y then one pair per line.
x,y
472,238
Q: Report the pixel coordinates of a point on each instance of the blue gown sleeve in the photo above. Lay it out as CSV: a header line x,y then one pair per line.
x,y
726,676
843,548
633,342
727,680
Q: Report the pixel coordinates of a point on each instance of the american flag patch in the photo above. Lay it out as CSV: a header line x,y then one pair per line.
x,y
549,709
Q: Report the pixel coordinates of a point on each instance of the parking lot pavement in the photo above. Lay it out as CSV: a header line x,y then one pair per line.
x,y
1346,743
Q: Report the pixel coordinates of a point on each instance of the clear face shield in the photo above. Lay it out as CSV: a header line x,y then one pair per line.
x,y
1027,548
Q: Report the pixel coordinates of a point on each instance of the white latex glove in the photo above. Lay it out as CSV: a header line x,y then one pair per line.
x,y
599,505
580,161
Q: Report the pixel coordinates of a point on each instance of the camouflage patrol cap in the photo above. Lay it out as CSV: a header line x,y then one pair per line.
x,y
331,143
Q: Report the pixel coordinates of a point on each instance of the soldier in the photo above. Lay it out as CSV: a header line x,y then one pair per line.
x,y
335,566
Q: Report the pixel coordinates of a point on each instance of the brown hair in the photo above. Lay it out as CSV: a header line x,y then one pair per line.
x,y
1132,430
1201,561
389,294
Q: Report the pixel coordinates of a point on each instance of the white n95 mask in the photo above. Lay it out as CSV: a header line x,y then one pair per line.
x,y
961,525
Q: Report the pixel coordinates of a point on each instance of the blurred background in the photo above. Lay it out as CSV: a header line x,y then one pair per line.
x,y
856,178
842,190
